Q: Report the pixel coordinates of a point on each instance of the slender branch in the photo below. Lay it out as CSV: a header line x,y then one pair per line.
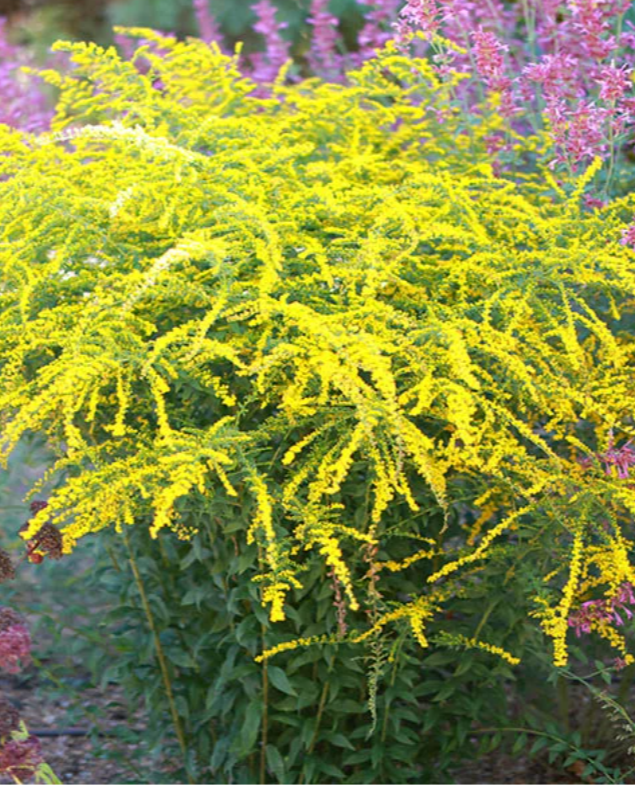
x,y
265,695
165,674
318,719
265,720
533,732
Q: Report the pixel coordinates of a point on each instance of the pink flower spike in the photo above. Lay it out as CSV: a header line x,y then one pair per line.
x,y
614,82
417,15
323,57
627,593
208,28
628,236
267,64
377,23
592,203
489,59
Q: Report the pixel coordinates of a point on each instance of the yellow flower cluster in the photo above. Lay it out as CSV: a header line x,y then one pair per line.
x,y
320,310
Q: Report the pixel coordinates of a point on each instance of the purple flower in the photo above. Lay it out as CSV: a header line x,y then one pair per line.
x,y
417,15
488,51
558,75
622,459
324,58
22,104
578,133
603,611
591,20
614,82
378,19
207,25
593,203
267,64
628,236
589,612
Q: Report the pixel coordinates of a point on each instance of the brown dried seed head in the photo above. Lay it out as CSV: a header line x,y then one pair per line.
x,y
7,570
20,758
37,506
9,618
49,539
9,717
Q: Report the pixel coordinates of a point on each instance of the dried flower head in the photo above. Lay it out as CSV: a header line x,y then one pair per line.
x,y
9,618
9,717
49,539
7,570
20,759
36,506
15,641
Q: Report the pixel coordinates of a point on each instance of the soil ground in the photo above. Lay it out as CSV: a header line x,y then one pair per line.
x,y
79,759
74,758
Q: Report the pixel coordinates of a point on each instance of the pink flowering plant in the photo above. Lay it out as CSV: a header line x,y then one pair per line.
x,y
23,102
558,76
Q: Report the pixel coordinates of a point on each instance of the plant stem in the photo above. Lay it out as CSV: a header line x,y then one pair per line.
x,y
265,715
484,618
563,702
321,705
163,665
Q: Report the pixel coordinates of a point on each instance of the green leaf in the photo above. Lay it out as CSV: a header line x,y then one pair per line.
x,y
440,658
280,680
361,756
250,728
332,771
181,658
219,754
348,706
445,692
275,762
540,742
339,740
519,744
464,666
377,753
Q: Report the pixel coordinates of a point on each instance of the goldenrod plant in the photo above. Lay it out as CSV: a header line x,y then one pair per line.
x,y
207,294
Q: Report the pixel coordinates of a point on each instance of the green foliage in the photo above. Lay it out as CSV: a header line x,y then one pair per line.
x,y
318,727
363,379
